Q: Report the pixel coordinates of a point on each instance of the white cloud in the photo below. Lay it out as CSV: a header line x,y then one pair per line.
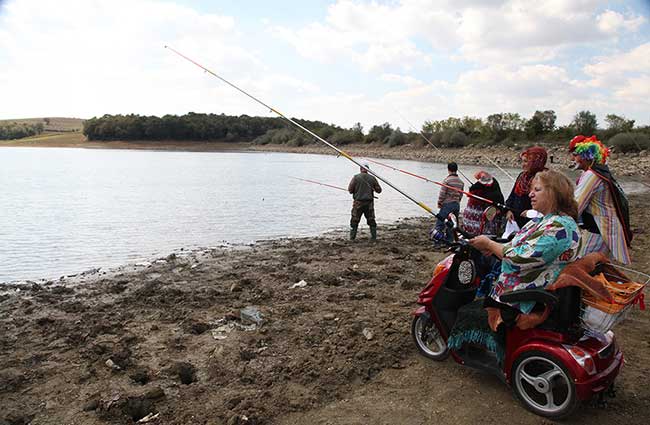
x,y
85,58
515,31
610,22
612,69
401,79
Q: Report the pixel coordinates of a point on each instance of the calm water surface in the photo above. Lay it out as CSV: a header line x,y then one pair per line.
x,y
68,210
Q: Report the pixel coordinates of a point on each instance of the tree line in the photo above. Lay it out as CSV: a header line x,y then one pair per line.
x,y
13,130
511,128
506,129
191,126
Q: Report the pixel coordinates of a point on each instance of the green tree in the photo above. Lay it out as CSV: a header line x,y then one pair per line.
x,y
541,123
619,124
585,123
379,133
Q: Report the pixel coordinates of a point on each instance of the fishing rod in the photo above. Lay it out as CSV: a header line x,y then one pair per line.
x,y
323,184
429,142
498,204
317,137
439,151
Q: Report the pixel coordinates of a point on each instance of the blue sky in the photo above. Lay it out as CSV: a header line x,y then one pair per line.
x,y
336,61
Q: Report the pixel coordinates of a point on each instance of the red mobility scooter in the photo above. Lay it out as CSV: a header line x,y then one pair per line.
x,y
550,368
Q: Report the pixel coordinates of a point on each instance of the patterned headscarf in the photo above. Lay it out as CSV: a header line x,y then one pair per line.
x,y
589,149
536,157
484,177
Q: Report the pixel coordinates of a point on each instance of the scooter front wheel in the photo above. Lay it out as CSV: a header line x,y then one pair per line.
x,y
544,385
428,339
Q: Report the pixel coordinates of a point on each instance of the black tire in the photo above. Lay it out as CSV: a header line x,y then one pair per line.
x,y
428,339
544,385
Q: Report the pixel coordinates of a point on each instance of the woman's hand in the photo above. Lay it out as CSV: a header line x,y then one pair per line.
x,y
487,246
482,243
510,216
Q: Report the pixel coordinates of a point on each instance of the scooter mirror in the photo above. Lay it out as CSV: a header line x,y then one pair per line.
x,y
490,213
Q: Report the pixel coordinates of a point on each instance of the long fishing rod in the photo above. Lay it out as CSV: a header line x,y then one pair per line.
x,y
472,195
317,137
439,151
322,184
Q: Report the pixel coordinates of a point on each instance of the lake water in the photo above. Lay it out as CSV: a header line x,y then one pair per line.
x,y
68,210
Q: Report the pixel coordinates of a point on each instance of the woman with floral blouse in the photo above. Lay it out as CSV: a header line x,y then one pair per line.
x,y
544,246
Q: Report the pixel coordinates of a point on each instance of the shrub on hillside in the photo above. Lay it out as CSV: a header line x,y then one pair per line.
x,y
396,138
454,139
298,140
629,142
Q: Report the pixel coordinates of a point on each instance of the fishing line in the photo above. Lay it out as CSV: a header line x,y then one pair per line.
x,y
317,137
439,151
498,204
323,184
316,182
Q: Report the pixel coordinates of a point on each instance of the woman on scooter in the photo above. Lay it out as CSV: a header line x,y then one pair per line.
x,y
543,247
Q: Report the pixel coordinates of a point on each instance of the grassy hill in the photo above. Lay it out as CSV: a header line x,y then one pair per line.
x,y
52,124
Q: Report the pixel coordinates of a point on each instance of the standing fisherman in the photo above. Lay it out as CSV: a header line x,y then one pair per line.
x,y
362,187
449,201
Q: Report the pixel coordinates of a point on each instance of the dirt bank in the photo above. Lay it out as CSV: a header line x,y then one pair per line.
x,y
167,339
632,164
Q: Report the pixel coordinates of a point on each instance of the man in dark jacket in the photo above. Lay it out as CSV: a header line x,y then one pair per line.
x,y
363,187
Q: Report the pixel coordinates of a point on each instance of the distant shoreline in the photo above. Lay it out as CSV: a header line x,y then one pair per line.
x,y
635,165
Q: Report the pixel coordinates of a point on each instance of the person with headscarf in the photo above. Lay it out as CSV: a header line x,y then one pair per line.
x,y
602,204
487,187
533,160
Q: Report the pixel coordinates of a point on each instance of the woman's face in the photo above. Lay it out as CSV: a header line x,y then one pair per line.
x,y
541,198
525,164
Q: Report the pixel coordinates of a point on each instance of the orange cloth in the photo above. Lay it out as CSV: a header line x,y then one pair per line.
x,y
574,274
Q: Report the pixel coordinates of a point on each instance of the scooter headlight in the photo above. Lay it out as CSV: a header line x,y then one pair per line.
x,y
583,358
466,272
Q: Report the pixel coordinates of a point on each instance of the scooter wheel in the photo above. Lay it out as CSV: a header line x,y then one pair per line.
x,y
544,385
428,339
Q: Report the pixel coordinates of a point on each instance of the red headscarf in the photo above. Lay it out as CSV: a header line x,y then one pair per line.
x,y
536,157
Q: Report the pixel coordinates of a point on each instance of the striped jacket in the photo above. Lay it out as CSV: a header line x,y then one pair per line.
x,y
594,197
449,195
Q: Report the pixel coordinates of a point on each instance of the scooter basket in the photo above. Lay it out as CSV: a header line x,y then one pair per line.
x,y
625,287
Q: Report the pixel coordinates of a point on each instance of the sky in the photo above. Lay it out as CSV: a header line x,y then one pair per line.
x,y
341,62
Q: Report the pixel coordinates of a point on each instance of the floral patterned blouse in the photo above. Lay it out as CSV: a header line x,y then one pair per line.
x,y
536,256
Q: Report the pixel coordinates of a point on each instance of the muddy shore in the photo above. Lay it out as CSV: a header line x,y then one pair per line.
x,y
323,338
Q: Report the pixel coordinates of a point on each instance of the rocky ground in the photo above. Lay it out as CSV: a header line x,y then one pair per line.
x,y
290,331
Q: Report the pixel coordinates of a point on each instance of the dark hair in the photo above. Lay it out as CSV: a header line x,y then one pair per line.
x,y
452,166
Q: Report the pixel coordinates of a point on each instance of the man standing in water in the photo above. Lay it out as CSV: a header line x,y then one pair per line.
x,y
449,200
363,187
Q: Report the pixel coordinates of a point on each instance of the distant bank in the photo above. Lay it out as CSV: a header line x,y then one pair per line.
x,y
629,164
